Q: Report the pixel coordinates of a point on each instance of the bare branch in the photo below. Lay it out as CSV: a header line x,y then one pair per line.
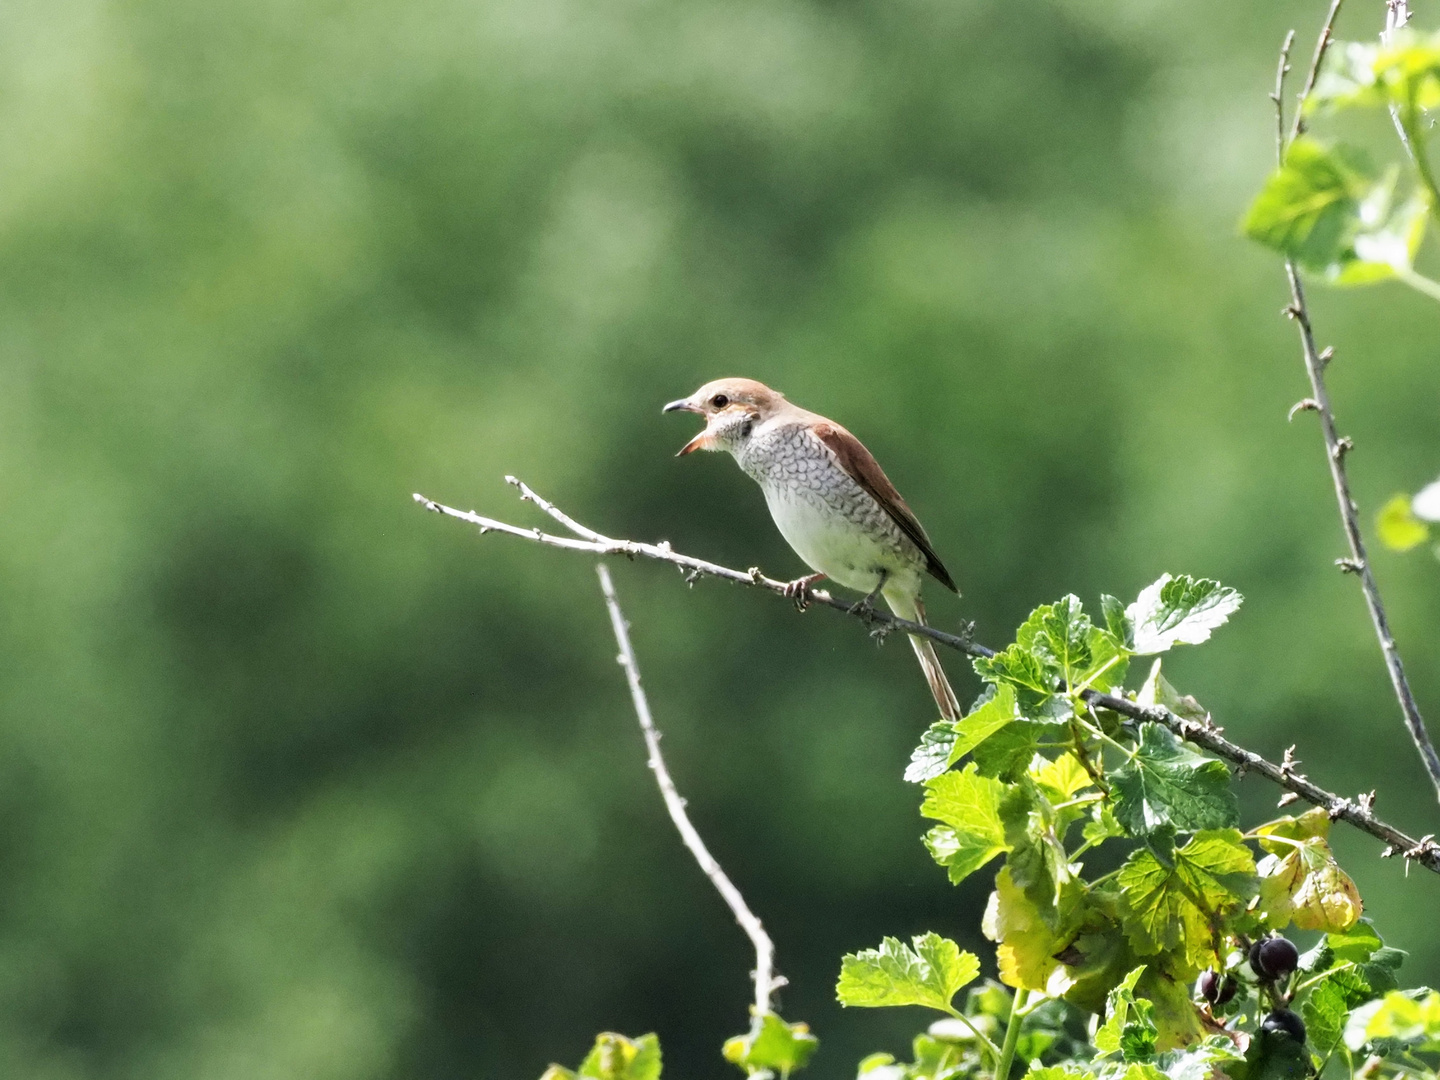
x,y
1322,43
1278,97
766,981
1358,813
1337,446
597,544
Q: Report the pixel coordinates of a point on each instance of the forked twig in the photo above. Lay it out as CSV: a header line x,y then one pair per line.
x,y
766,981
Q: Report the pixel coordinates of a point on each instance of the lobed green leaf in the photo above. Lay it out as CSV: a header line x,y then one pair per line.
x,y
930,974
1166,783
1179,611
972,832
771,1045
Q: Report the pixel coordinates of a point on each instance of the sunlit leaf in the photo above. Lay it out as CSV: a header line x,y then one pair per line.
x,y
614,1057
930,974
1300,879
1128,1029
771,1044
1167,783
972,832
1173,909
1179,610
1309,209
1026,940
1398,527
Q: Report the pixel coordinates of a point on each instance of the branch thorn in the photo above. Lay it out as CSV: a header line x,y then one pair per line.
x,y
1308,404
1350,566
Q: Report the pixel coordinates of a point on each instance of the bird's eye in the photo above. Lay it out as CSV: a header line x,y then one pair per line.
x,y
719,401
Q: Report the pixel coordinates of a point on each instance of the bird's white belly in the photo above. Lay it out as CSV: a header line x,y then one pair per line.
x,y
835,545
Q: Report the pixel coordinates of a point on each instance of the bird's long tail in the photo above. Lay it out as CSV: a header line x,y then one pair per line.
x,y
911,607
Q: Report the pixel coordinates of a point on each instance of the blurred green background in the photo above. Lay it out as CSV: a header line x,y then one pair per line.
x,y
299,781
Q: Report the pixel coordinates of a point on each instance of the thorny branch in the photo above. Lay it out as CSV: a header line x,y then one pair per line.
x,y
1337,446
766,982
1357,812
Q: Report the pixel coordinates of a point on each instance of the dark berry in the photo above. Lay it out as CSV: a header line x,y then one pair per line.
x,y
1278,957
1284,1022
1208,986
1228,986
1254,958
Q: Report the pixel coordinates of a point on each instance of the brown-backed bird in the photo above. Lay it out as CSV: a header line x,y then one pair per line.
x,y
831,501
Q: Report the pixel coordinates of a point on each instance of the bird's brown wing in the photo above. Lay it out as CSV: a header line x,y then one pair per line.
x,y
866,471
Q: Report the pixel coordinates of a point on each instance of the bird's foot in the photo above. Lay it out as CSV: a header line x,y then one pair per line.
x,y
864,608
799,590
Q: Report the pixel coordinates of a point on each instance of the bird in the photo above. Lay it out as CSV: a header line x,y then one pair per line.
x,y
832,503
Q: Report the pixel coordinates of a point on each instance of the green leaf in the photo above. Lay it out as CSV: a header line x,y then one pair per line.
x,y
1172,909
1387,235
1356,945
946,743
1008,753
1329,1002
1208,1059
1129,1027
1348,79
1117,622
1166,783
1398,528
1026,940
1326,210
1032,677
1404,71
984,721
972,832
1102,825
1309,208
1157,690
1063,638
1412,1020
931,974
1179,611
771,1044
614,1057
932,756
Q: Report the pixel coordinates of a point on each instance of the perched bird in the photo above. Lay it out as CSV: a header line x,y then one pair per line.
x,y
831,502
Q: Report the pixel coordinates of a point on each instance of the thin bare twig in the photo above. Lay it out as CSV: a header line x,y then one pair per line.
x,y
1358,813
1337,446
1278,97
880,621
766,981
1327,32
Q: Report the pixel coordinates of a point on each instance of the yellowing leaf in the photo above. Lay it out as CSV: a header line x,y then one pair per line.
x,y
1398,528
1177,909
1062,778
1308,887
1300,879
1026,942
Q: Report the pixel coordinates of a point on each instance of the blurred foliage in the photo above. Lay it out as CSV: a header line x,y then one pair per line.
x,y
299,781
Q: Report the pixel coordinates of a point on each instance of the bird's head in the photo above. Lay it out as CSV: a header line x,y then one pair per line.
x,y
731,407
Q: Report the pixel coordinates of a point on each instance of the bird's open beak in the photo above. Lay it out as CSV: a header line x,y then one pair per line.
x,y
699,442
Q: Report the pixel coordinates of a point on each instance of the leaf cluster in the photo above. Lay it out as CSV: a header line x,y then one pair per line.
x,y
1327,207
1098,972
